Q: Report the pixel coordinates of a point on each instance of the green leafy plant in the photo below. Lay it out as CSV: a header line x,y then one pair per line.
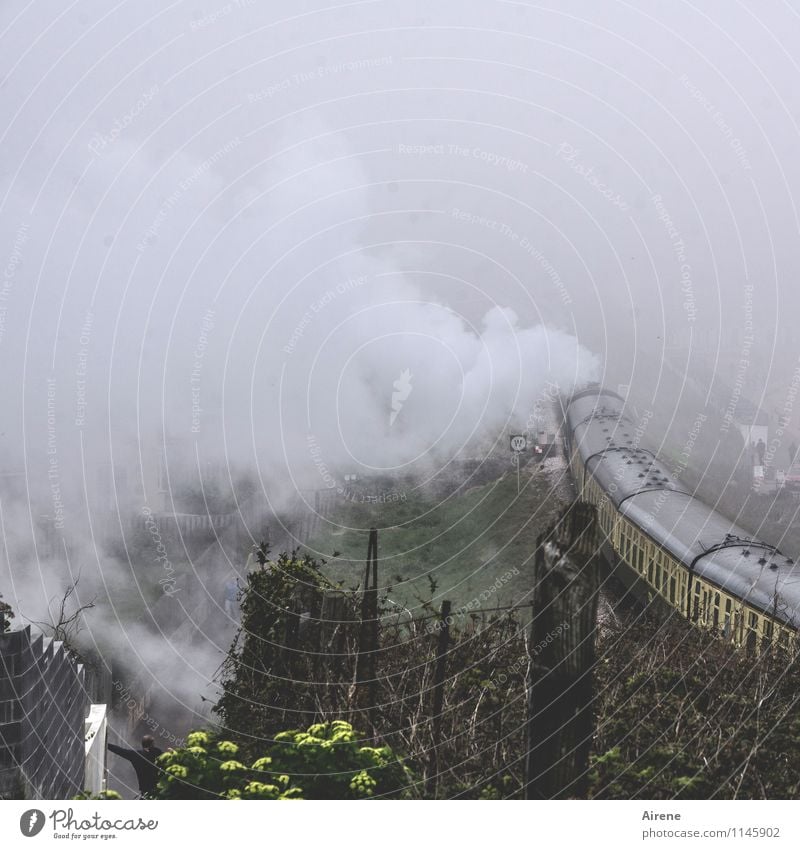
x,y
103,795
280,641
332,762
328,761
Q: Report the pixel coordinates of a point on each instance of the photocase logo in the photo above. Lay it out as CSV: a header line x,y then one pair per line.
x,y
31,822
402,389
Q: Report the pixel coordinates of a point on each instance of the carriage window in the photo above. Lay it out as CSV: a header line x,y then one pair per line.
x,y
752,630
716,611
672,589
726,626
766,642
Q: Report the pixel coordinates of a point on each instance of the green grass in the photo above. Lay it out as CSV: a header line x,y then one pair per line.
x,y
464,543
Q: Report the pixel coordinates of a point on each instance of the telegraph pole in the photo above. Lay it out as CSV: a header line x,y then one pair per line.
x,y
368,638
518,444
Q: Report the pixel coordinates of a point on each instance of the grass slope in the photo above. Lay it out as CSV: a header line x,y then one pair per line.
x,y
464,543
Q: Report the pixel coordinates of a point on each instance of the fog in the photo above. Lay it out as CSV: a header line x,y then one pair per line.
x,y
258,247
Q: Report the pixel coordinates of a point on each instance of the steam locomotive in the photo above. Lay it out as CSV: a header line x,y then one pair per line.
x,y
674,548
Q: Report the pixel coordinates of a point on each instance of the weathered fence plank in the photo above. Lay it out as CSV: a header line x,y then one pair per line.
x,y
560,720
442,647
368,643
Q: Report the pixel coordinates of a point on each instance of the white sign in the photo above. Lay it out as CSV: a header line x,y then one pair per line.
x,y
518,443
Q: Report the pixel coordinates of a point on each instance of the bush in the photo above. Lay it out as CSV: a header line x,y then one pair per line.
x,y
684,714
102,795
328,761
268,673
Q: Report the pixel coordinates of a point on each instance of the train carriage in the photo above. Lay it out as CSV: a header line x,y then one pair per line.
x,y
686,554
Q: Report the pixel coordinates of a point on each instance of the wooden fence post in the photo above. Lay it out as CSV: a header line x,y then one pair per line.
x,y
329,657
442,646
368,635
560,721
331,627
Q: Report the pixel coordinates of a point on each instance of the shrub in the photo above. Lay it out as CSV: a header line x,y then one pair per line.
x,y
328,761
102,795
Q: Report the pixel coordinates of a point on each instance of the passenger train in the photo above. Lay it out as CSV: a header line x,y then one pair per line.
x,y
674,548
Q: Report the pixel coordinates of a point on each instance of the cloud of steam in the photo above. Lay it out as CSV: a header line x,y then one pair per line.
x,y
467,385
303,360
